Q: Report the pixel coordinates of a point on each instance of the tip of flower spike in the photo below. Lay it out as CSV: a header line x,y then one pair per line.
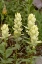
x,y
18,16
4,26
31,17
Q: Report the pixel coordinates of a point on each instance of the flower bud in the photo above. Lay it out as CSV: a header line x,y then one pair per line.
x,y
4,11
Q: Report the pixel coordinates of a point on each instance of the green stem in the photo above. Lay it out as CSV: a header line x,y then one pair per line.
x,y
16,54
4,52
4,57
26,62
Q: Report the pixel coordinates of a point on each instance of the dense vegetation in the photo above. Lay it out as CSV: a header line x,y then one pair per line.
x,y
20,31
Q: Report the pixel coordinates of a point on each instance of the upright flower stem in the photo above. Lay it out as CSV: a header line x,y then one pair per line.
x,y
5,51
16,51
16,54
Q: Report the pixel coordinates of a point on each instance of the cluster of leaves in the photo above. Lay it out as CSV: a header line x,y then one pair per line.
x,y
18,53
5,53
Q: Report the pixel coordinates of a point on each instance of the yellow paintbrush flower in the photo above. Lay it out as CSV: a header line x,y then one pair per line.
x,y
5,31
32,29
17,25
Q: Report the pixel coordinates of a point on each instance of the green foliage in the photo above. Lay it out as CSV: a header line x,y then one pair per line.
x,y
5,53
20,50
1,6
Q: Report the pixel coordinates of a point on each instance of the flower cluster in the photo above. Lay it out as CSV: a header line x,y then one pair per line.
x,y
32,29
17,25
5,31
